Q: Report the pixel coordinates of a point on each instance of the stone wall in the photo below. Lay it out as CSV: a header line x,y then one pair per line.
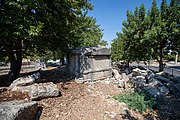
x,y
90,63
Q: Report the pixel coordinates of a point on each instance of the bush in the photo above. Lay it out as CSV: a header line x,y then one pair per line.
x,y
139,101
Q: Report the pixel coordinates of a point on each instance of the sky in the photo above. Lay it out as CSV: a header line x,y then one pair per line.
x,y
111,13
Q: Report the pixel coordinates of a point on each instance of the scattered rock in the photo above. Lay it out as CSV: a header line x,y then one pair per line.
x,y
18,110
175,89
125,77
154,92
24,81
139,72
162,79
121,83
164,90
2,89
155,83
43,90
116,74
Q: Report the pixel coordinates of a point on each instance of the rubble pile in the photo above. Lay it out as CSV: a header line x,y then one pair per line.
x,y
30,84
159,85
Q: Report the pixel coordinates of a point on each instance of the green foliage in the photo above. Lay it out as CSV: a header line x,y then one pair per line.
x,y
90,33
148,36
117,48
35,27
135,100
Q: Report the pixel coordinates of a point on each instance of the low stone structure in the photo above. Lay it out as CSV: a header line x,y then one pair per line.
x,y
90,63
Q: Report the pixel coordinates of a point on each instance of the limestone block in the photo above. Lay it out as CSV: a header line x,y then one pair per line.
x,y
24,81
43,90
116,74
18,110
164,90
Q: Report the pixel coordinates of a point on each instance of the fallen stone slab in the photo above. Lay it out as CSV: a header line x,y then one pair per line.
x,y
155,83
18,110
43,90
164,90
139,72
162,79
24,81
175,89
156,94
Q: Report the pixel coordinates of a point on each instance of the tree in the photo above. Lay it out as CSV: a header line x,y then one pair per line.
x,y
117,48
147,36
90,33
38,26
157,33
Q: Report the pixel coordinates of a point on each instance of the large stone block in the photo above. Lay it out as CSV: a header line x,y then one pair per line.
x,y
43,90
18,110
24,81
90,63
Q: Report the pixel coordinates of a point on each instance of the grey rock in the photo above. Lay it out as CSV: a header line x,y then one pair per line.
x,y
164,90
18,110
139,72
24,81
155,83
125,77
176,80
162,78
154,92
90,63
117,76
121,83
177,86
175,89
43,90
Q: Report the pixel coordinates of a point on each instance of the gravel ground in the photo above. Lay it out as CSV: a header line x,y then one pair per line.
x,y
86,102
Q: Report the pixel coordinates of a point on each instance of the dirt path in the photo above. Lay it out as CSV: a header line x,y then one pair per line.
x,y
86,102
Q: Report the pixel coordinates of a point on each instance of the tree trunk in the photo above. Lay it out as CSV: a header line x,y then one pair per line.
x,y
161,66
15,58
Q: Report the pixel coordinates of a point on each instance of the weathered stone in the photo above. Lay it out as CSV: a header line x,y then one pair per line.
x,y
2,89
164,90
43,90
18,110
155,83
121,83
176,80
139,72
162,79
140,77
24,81
174,89
125,77
90,63
154,92
117,76
178,86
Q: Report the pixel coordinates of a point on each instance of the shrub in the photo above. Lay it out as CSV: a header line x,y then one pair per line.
x,y
139,101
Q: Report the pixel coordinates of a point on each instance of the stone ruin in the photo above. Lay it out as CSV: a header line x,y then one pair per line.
x,y
90,63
